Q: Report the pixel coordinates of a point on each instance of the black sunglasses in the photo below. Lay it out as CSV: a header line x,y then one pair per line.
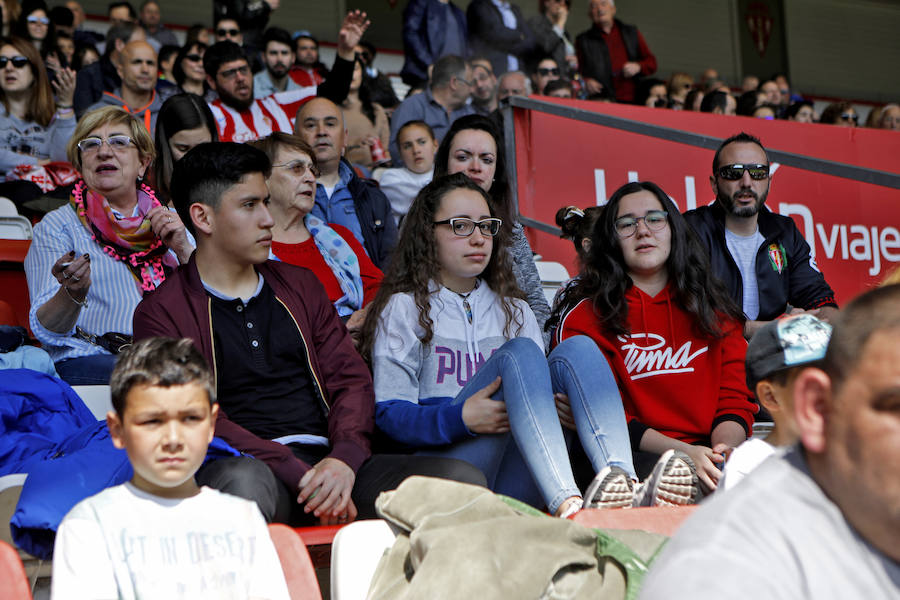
x,y
194,57
17,61
735,172
845,116
224,32
544,71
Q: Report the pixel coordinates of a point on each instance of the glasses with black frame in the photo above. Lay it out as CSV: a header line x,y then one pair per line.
x,y
736,171
464,227
655,220
227,32
545,71
17,61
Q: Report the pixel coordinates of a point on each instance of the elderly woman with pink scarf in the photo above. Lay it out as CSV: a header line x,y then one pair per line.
x,y
91,261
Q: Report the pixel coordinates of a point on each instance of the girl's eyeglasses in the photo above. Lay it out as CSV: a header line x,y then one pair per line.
x,y
655,220
464,227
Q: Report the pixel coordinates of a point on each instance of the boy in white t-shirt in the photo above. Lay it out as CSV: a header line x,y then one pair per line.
x,y
160,535
774,357
402,185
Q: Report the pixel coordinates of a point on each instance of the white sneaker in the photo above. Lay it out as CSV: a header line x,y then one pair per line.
x,y
570,511
611,488
673,482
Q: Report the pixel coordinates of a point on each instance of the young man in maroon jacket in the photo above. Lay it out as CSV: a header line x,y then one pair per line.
x,y
293,392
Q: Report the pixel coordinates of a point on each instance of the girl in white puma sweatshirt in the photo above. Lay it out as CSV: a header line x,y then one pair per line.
x,y
458,359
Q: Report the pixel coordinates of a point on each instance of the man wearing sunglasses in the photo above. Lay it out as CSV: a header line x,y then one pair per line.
x,y
760,256
240,117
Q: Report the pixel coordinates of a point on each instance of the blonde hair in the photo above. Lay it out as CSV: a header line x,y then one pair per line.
x,y
109,115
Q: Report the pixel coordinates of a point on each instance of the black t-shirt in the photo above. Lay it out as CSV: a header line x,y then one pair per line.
x,y
264,382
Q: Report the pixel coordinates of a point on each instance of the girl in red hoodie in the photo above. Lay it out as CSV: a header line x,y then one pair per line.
x,y
668,330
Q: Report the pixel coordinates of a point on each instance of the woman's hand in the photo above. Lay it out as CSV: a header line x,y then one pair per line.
x,y
60,313
74,274
168,227
564,410
705,459
64,86
352,30
482,414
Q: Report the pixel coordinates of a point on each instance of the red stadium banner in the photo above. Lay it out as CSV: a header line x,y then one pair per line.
x,y
840,185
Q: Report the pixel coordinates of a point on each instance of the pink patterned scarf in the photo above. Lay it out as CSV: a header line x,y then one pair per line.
x,y
128,239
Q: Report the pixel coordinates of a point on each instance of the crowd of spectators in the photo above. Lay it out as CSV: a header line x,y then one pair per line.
x,y
194,177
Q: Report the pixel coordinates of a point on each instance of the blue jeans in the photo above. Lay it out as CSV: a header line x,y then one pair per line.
x,y
87,370
531,463
579,369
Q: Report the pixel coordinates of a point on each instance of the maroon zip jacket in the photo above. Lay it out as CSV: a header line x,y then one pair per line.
x,y
180,308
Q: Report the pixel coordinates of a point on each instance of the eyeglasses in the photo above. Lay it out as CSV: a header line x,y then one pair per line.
x,y
230,73
468,83
850,117
194,57
545,71
735,172
41,20
17,61
299,167
117,143
655,220
228,32
464,227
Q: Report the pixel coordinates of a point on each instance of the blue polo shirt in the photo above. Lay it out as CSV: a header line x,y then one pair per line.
x,y
339,207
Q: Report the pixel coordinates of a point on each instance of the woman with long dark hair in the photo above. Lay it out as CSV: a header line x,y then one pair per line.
x,y
366,121
473,146
668,329
188,70
184,121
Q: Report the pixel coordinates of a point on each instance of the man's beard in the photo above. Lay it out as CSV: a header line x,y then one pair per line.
x,y
730,204
278,71
236,103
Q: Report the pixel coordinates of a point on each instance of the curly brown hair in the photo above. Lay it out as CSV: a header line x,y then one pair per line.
x,y
414,264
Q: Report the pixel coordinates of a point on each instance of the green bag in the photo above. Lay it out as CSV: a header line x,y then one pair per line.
x,y
462,541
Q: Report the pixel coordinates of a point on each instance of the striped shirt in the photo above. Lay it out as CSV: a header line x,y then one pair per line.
x,y
111,299
265,115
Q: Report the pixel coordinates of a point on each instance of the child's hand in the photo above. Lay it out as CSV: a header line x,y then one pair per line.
x,y
481,414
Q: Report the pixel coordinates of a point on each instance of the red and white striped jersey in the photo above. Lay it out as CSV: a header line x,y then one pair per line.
x,y
265,115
